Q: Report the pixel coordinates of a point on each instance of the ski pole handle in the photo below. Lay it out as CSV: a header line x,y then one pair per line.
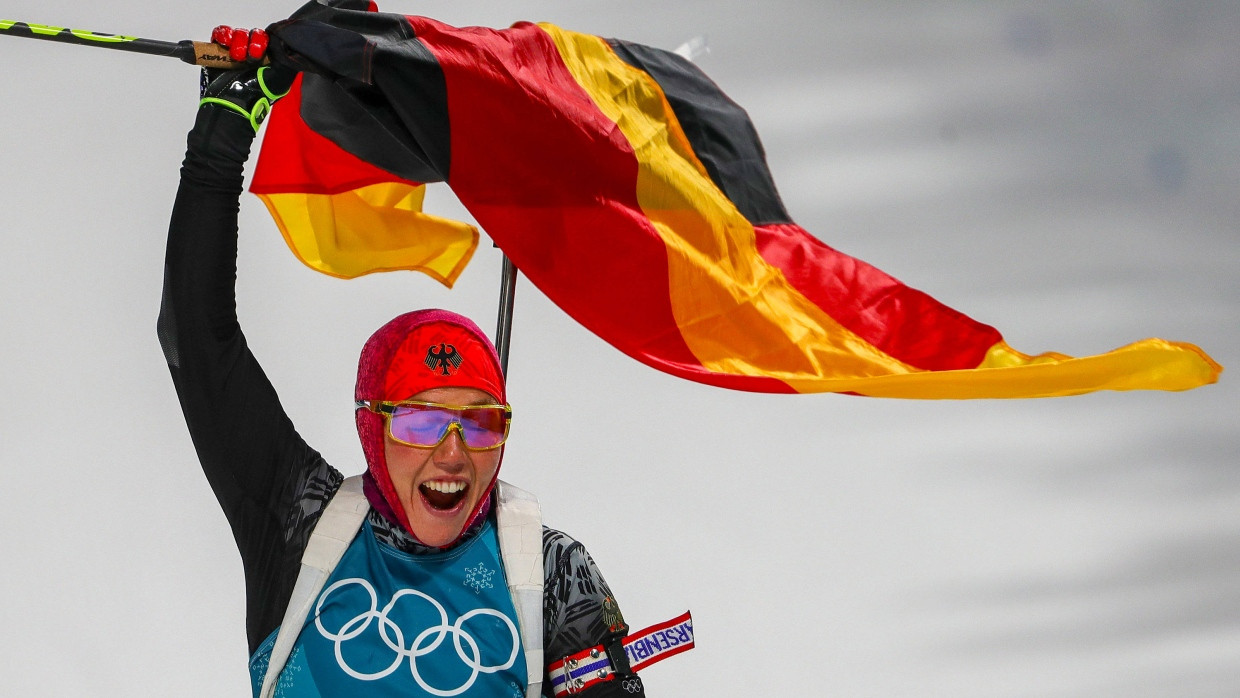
x,y
209,55
202,53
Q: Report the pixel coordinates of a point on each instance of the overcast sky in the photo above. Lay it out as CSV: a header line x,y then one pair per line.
x,y
1065,171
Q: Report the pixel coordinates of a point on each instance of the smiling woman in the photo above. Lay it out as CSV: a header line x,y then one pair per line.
x,y
441,485
429,534
418,364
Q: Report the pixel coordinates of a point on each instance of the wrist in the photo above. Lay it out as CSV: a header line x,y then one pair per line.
x,y
222,137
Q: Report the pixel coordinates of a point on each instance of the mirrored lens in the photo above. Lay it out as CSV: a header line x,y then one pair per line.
x,y
418,425
425,425
483,427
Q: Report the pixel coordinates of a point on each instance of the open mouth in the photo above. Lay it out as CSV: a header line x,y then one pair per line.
x,y
442,495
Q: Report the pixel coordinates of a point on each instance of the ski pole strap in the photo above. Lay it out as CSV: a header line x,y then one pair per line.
x,y
256,112
575,673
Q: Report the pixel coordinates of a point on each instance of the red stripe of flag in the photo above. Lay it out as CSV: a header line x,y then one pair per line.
x,y
297,159
902,322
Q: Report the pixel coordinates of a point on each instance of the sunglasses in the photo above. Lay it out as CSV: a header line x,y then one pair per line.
x,y
426,424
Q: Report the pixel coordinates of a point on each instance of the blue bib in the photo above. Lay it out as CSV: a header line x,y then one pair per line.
x,y
392,624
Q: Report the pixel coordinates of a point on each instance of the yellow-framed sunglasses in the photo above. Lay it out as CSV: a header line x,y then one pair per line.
x,y
426,424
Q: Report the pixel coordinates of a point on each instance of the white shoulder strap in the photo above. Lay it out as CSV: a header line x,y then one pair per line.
x,y
519,523
336,529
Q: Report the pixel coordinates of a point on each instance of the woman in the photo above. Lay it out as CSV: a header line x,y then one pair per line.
x,y
418,602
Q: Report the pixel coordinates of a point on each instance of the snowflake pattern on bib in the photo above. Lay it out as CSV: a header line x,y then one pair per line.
x,y
478,578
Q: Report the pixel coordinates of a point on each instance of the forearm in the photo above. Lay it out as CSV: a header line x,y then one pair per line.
x,y
197,317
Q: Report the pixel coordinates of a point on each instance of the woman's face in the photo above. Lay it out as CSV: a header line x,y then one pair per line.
x,y
439,487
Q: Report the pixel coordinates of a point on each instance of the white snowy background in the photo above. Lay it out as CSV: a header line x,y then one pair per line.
x,y
1065,171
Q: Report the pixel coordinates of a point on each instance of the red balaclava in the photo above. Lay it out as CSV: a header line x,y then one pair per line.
x,y
418,351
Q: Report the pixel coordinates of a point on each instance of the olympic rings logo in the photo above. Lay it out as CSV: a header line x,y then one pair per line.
x,y
426,642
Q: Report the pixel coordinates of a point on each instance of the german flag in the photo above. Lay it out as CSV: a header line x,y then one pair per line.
x,y
344,216
635,194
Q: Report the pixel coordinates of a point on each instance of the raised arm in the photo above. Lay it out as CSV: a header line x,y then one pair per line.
x,y
267,480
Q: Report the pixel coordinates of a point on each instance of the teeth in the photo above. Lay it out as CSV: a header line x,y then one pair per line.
x,y
445,487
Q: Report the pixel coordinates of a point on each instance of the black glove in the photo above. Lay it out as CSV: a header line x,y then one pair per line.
x,y
251,90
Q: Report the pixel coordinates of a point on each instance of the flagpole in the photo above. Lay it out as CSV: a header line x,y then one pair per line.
x,y
503,330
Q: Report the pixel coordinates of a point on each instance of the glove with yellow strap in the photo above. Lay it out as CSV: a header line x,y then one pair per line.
x,y
250,90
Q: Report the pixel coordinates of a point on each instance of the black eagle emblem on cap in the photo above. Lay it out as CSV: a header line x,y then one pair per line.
x,y
444,357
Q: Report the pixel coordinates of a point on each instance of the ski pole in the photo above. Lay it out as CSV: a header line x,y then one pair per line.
x,y
203,53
